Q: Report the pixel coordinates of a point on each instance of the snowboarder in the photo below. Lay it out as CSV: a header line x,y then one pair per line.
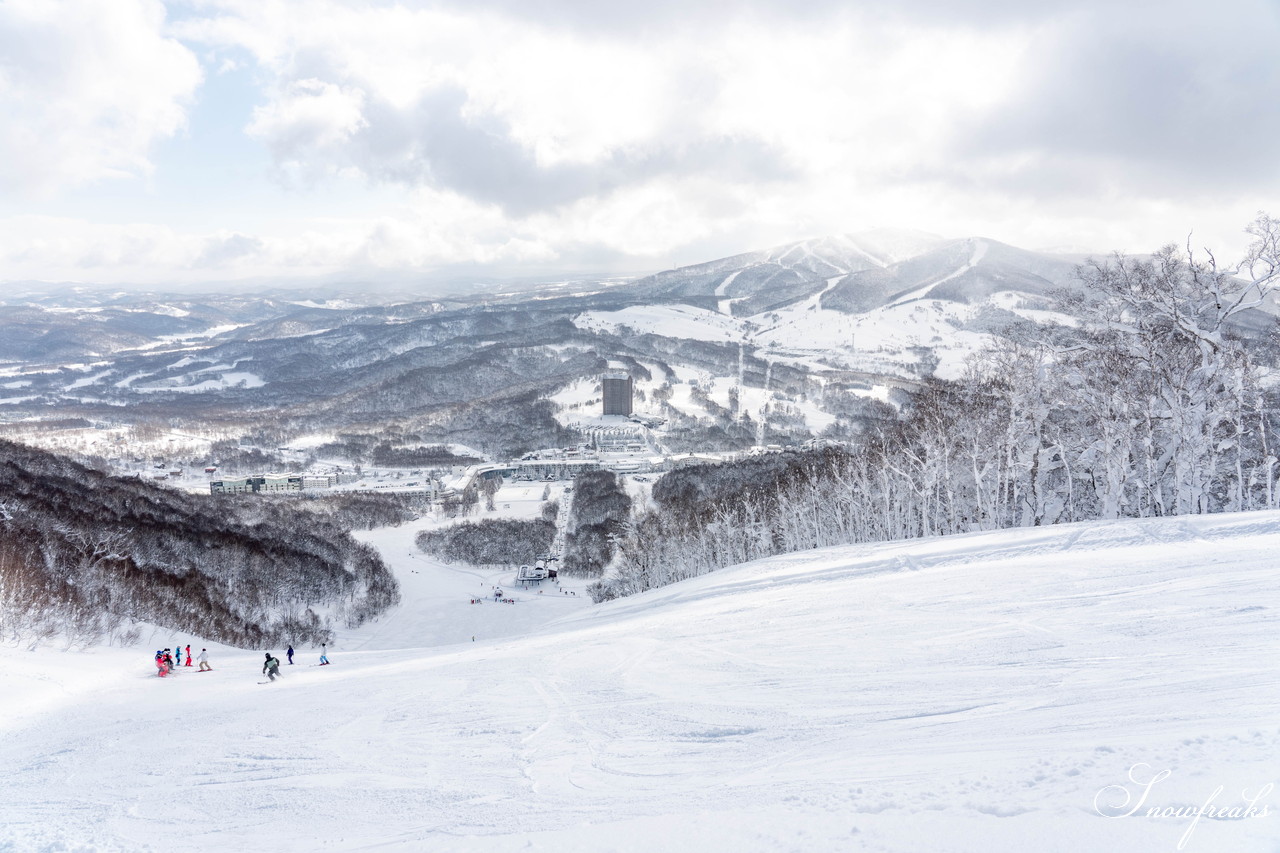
x,y
324,657
289,654
271,667
188,656
204,661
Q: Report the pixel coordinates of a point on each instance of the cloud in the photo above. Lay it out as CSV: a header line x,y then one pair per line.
x,y
436,229
541,120
220,251
413,135
536,117
653,18
318,129
1169,101
87,89
310,118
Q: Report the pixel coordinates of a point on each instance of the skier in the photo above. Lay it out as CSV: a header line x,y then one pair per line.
x,y
168,660
289,654
188,656
204,661
271,667
324,657
163,670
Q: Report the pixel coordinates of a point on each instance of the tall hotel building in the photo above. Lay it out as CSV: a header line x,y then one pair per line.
x,y
617,392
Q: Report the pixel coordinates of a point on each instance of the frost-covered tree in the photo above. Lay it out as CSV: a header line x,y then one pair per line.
x,y
1170,323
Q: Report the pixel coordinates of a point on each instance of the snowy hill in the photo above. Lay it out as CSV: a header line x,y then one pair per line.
x,y
871,303
758,281
987,692
859,272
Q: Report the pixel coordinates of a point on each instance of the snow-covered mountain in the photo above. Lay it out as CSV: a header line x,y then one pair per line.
x,y
873,303
818,337
744,284
991,693
859,272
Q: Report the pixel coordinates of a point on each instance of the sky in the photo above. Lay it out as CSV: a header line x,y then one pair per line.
x,y
202,141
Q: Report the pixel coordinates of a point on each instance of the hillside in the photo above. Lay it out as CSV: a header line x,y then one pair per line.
x,y
984,692
89,557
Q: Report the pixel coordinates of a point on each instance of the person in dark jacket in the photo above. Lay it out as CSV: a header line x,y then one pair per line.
x,y
289,654
271,667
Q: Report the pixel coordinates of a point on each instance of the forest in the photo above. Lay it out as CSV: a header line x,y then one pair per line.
x,y
491,542
89,557
597,514
1155,403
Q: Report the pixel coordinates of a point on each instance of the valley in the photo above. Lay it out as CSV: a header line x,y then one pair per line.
x,y
812,340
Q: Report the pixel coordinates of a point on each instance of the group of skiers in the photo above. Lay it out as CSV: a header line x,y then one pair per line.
x,y
167,661
271,666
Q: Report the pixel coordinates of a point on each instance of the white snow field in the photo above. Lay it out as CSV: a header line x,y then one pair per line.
x,y
988,692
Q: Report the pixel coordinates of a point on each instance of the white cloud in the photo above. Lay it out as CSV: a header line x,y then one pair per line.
x,y
555,123
573,133
308,121
434,229
86,90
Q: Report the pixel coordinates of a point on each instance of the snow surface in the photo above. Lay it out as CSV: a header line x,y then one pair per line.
x,y
86,381
223,381
877,341
672,321
987,692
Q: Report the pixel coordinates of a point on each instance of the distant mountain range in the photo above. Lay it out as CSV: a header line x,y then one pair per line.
x,y
859,272
804,339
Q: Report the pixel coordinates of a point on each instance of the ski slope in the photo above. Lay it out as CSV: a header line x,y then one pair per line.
x,y
987,692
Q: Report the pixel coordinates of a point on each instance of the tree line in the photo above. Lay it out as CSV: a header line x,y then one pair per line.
x,y
597,515
497,541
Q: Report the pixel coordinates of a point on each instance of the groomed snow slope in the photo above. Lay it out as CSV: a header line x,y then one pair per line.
x,y
972,693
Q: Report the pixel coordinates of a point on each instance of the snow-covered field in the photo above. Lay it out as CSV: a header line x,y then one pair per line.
x,y
989,692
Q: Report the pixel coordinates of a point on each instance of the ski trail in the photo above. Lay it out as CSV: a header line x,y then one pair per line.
x,y
725,306
768,374
979,252
721,288
562,527
814,303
